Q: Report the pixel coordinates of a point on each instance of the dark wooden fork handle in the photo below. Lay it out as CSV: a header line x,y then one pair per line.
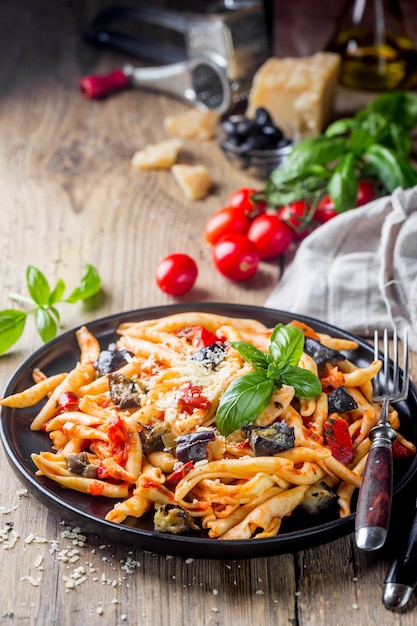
x,y
374,502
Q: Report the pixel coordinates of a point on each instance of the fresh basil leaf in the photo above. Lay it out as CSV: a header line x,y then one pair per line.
x,y
12,325
45,324
399,106
319,150
305,383
53,311
38,286
257,358
57,292
287,344
390,169
274,372
359,141
343,185
341,127
375,124
399,140
90,284
244,399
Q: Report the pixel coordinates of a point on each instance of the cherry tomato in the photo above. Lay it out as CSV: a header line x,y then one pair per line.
x,y
325,210
223,222
236,257
297,216
241,200
176,274
366,192
271,235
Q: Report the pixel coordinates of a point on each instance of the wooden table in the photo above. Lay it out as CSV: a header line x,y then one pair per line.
x,y
68,196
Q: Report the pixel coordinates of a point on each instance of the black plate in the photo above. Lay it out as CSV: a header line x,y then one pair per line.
x,y
88,512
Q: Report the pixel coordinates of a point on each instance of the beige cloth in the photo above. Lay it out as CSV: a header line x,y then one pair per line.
x,y
358,271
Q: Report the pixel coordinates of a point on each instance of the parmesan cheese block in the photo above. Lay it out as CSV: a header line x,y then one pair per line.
x,y
193,124
160,155
194,180
298,91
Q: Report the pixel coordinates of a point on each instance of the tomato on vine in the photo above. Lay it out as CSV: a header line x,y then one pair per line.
x,y
236,257
366,192
325,210
270,234
297,216
223,222
242,199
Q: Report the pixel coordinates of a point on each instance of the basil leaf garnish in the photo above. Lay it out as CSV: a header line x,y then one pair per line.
x,y
245,398
254,356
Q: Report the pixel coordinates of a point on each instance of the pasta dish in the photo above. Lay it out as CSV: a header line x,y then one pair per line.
x,y
209,423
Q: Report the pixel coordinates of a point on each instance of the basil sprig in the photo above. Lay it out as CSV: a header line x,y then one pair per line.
x,y
247,396
375,143
42,303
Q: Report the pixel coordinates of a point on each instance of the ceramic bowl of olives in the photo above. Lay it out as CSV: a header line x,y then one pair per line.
x,y
256,145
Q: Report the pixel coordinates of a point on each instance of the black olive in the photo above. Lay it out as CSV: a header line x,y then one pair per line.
x,y
246,128
262,117
255,143
259,133
274,134
283,143
234,140
228,127
341,401
111,360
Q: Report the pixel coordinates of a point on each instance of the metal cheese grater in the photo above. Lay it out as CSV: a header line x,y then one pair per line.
x,y
214,67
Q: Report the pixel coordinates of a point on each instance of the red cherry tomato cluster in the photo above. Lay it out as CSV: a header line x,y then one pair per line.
x,y
247,231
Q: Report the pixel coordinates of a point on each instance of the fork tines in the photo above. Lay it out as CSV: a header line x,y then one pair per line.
x,y
396,387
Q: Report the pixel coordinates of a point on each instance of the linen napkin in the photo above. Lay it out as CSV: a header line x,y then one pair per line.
x,y
359,270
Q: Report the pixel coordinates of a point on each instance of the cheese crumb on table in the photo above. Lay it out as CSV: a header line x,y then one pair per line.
x,y
160,155
193,124
297,91
194,180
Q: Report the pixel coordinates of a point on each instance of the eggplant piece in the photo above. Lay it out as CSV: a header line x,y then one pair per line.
x,y
211,355
320,353
79,464
341,401
111,360
170,518
193,446
319,499
152,438
269,440
125,392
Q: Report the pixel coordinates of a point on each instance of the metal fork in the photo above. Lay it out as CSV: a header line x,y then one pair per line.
x,y
375,495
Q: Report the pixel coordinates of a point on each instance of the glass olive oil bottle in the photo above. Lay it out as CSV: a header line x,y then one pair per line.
x,y
377,53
